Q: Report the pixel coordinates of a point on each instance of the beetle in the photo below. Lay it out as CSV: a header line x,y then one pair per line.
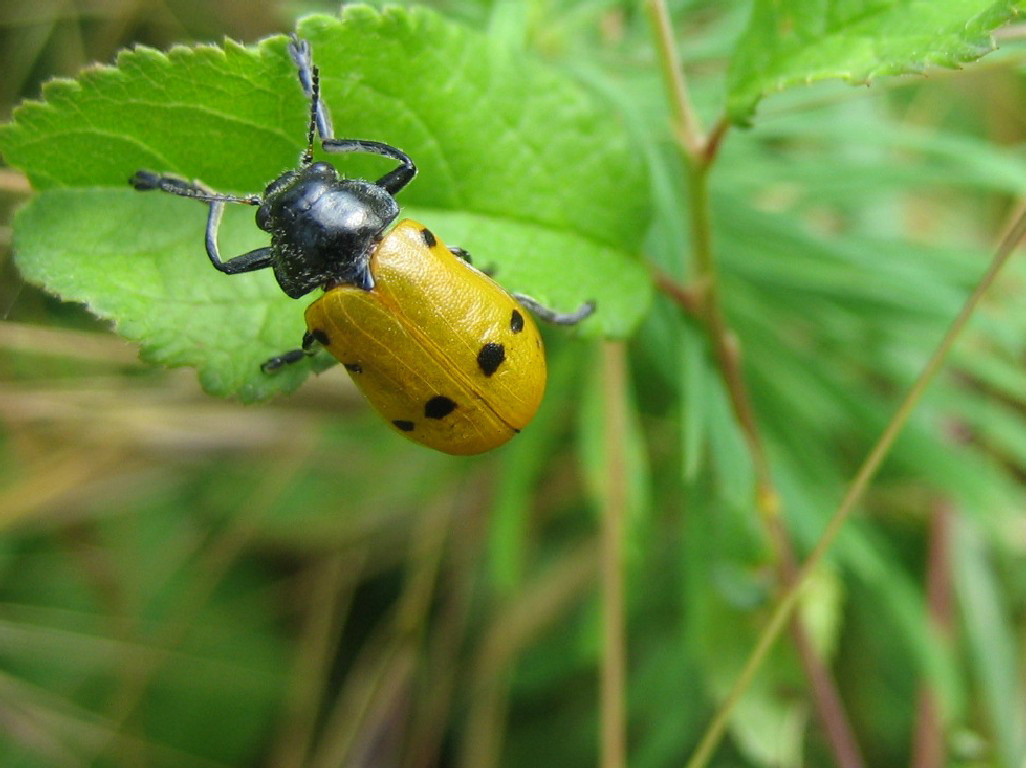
x,y
449,358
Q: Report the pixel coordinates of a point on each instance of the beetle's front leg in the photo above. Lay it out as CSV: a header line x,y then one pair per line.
x,y
146,181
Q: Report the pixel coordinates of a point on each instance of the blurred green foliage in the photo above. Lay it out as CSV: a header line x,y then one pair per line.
x,y
186,581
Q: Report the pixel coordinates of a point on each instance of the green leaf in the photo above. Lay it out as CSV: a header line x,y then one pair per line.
x,y
801,41
518,164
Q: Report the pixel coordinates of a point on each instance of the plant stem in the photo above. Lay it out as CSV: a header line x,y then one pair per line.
x,y
855,491
536,607
928,748
725,345
687,297
331,584
613,675
14,182
827,699
379,683
685,121
699,153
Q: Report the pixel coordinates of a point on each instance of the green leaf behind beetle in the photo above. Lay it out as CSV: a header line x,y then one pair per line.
x,y
517,164
801,41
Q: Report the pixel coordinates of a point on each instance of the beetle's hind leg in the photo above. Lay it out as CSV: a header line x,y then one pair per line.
x,y
310,347
539,310
552,316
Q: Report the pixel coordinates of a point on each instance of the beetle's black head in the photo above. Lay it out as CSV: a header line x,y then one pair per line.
x,y
323,227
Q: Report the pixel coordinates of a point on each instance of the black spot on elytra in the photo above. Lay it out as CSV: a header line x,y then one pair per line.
x,y
490,357
320,337
405,426
353,367
438,407
429,238
516,322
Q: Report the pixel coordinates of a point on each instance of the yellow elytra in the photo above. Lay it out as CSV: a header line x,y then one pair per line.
x,y
440,350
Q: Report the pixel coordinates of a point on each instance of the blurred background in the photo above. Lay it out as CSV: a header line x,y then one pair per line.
x,y
186,581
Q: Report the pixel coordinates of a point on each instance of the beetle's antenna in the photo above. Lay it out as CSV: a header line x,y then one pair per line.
x,y
315,98
309,77
145,181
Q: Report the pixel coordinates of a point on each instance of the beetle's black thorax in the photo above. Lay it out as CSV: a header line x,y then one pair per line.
x,y
323,227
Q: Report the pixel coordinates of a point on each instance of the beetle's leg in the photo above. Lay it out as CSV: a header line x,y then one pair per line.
x,y
392,181
464,255
302,55
310,347
309,78
248,262
251,261
552,316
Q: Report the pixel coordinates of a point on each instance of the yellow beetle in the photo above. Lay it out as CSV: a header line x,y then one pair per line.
x,y
449,358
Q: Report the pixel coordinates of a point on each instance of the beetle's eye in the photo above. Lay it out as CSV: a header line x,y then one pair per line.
x,y
279,183
263,217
